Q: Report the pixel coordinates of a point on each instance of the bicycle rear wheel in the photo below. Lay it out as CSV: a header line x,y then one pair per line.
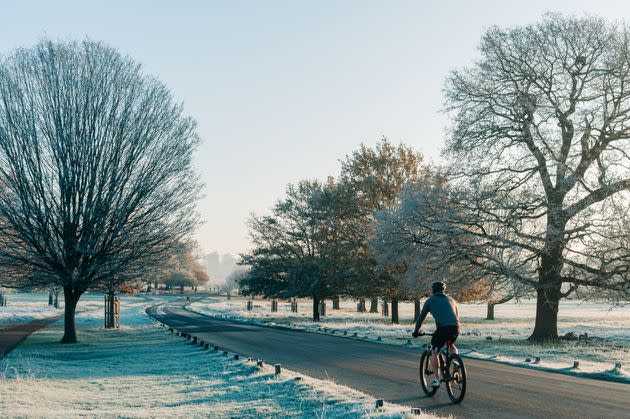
x,y
426,374
456,383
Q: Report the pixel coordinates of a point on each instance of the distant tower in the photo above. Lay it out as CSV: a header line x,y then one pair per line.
x,y
213,267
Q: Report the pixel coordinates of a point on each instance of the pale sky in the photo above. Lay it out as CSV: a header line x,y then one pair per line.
x,y
284,89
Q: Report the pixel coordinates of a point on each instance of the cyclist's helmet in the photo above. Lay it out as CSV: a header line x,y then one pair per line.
x,y
438,286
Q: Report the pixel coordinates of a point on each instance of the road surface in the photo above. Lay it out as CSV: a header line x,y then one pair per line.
x,y
13,334
390,372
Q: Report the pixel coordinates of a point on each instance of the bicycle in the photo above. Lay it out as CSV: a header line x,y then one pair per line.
x,y
453,373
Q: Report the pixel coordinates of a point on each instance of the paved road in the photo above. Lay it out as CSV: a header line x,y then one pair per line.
x,y
12,335
390,372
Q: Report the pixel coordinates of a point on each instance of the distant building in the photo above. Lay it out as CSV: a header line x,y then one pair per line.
x,y
219,266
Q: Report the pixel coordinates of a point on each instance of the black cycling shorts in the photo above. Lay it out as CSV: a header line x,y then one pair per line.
x,y
442,335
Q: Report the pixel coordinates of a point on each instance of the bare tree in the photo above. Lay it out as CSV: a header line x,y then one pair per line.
x,y
414,236
541,128
233,280
95,168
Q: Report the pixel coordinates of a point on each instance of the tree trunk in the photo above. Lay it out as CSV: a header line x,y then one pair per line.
x,y
546,328
315,309
322,308
156,286
149,287
395,319
335,301
549,288
490,312
181,289
416,310
385,308
50,299
71,298
361,306
374,305
56,300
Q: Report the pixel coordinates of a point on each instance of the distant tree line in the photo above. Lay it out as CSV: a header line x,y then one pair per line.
x,y
532,198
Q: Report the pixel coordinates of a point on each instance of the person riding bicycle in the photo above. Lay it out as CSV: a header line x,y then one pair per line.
x,y
443,308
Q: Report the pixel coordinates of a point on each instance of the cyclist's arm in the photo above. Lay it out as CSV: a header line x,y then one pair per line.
x,y
423,314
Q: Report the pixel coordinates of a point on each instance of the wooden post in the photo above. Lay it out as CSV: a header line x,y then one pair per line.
x,y
116,312
576,364
278,369
112,311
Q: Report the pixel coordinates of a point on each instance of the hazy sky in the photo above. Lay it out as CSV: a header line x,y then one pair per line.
x,y
284,89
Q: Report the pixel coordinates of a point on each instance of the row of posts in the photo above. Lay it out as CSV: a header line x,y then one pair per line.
x,y
322,306
274,305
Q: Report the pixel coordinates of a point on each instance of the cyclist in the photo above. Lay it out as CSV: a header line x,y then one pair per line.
x,y
443,308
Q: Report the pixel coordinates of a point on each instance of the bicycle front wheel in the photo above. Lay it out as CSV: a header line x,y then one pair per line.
x,y
456,383
426,374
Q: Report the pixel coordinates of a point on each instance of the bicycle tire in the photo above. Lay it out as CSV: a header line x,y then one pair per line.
x,y
425,365
457,372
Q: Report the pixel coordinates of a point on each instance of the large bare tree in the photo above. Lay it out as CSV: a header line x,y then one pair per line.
x,y
95,168
541,128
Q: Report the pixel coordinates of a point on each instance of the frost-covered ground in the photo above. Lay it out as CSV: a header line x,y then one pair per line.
x,y
608,329
142,370
26,307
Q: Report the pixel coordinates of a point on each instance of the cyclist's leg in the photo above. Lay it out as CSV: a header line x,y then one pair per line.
x,y
437,342
435,363
452,349
453,334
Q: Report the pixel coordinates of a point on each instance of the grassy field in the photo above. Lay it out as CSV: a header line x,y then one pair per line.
x,y
141,370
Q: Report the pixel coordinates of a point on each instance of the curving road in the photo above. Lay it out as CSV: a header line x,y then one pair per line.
x,y
390,372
